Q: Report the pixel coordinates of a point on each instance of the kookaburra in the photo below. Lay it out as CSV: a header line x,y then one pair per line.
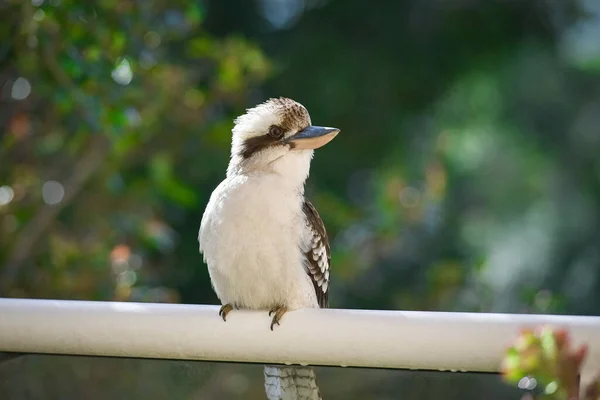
x,y
264,243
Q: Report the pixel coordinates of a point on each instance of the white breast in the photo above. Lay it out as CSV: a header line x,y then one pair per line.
x,y
251,236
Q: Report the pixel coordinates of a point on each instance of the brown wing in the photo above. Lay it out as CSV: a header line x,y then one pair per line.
x,y
318,256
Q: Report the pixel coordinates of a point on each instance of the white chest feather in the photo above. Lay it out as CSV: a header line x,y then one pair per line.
x,y
252,235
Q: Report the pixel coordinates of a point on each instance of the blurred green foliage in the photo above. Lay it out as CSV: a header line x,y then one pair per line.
x,y
123,106
466,176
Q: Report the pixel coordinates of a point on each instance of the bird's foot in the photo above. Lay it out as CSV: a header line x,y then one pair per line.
x,y
278,314
225,309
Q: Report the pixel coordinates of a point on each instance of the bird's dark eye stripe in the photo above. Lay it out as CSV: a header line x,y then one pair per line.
x,y
255,144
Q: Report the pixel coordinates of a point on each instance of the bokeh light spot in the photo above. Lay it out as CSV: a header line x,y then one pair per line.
x,y
152,39
53,192
193,98
527,383
135,261
133,116
410,196
39,15
21,88
122,74
282,14
552,387
127,278
6,195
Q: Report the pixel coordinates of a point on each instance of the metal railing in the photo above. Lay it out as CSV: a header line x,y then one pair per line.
x,y
336,337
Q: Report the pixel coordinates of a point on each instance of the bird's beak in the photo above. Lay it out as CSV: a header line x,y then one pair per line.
x,y
313,137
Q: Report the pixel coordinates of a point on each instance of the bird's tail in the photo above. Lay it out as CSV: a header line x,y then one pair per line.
x,y
291,383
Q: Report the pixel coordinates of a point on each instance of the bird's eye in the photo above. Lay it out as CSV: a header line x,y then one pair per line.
x,y
276,131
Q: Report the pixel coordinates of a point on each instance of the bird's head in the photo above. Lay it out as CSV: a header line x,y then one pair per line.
x,y
276,136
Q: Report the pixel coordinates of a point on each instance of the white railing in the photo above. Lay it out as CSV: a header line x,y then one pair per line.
x,y
361,338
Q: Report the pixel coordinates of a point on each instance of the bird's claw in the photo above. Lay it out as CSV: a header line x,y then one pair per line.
x,y
278,314
224,310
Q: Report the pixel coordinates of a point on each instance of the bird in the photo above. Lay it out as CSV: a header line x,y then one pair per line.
x,y
264,243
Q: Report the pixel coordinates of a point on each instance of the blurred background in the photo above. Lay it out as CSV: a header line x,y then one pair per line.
x,y
466,177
